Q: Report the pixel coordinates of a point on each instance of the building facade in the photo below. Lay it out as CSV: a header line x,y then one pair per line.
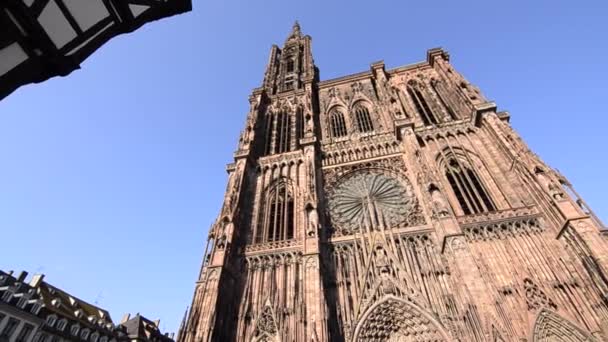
x,y
393,205
40,39
37,311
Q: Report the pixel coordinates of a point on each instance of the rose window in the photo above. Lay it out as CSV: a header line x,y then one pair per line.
x,y
370,200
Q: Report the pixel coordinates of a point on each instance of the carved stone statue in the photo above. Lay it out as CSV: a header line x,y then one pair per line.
x,y
313,221
309,123
555,191
549,185
439,203
221,241
396,107
247,133
228,228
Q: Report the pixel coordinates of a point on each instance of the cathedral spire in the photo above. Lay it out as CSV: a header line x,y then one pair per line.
x,y
296,32
290,67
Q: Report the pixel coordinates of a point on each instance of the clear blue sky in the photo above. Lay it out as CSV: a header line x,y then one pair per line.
x,y
110,177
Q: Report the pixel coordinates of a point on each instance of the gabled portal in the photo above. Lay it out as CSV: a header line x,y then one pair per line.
x,y
394,319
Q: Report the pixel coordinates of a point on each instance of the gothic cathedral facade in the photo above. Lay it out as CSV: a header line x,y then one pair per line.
x,y
394,205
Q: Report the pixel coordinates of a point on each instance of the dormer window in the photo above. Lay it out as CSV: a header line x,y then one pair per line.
x,y
61,324
22,303
36,308
85,334
78,313
74,330
7,296
50,320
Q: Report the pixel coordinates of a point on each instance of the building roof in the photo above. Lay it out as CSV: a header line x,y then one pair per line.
x,y
141,328
68,305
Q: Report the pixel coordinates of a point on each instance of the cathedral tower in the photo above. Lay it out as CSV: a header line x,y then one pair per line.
x,y
393,205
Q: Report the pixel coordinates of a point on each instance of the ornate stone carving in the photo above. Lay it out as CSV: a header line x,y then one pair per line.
x,y
440,205
550,186
271,245
499,216
395,165
274,259
371,146
550,327
395,320
369,200
503,230
535,297
267,328
457,244
313,221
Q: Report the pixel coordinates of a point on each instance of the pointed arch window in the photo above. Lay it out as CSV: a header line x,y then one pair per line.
x,y
436,85
422,106
470,192
364,121
337,124
268,136
278,133
277,215
290,65
283,133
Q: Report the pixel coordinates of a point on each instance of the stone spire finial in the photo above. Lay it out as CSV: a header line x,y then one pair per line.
x,y
295,31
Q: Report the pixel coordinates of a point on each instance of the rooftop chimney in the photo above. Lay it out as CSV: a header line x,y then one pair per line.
x,y
125,318
22,276
36,280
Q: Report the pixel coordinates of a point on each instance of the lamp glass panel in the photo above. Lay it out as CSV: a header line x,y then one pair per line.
x,y
87,12
11,56
138,9
56,25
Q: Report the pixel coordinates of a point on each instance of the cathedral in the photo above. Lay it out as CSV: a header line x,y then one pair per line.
x,y
393,205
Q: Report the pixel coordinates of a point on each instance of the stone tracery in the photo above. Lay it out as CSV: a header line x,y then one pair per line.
x,y
367,201
395,320
550,327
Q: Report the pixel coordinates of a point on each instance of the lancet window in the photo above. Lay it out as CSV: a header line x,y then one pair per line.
x,y
337,124
277,215
290,65
422,107
278,133
436,85
364,121
469,190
